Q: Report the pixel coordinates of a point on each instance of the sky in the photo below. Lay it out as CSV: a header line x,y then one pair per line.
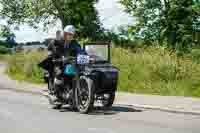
x,y
111,15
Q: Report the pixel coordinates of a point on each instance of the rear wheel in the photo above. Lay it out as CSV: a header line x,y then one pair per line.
x,y
84,94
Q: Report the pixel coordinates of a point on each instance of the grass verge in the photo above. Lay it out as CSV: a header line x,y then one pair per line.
x,y
23,66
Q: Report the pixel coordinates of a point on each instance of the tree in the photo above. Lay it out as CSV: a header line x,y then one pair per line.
x,y
165,20
5,32
80,13
196,15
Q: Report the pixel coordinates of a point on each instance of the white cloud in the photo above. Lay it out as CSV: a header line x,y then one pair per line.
x,y
110,11
26,33
112,14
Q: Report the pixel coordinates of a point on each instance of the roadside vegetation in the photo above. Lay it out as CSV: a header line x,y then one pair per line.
x,y
23,66
154,57
157,71
4,52
152,70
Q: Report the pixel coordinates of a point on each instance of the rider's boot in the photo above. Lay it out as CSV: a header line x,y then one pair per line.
x,y
58,83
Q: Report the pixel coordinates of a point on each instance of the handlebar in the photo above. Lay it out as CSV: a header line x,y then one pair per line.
x,y
65,60
70,60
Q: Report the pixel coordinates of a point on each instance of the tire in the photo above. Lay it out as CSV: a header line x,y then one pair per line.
x,y
84,84
109,101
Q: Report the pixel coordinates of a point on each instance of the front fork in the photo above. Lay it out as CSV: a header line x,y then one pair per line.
x,y
68,90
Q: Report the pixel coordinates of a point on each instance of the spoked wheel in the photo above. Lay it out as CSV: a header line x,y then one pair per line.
x,y
108,99
84,95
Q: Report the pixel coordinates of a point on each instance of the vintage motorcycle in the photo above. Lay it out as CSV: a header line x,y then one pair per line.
x,y
91,78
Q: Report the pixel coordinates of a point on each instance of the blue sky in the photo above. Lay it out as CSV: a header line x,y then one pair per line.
x,y
111,15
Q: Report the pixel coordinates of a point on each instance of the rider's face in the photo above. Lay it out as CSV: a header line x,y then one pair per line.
x,y
68,36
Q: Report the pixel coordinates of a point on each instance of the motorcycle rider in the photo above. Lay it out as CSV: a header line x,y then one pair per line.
x,y
63,47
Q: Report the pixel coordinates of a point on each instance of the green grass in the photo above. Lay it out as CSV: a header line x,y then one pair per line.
x,y
156,71
23,66
4,57
196,55
147,71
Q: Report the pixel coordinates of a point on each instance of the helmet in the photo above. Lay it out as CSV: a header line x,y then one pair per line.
x,y
70,29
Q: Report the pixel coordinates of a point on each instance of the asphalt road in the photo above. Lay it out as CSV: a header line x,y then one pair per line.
x,y
25,113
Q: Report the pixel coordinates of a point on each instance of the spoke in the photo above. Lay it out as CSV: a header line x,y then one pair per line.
x,y
83,94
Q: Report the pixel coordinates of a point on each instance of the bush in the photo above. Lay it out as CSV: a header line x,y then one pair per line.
x,y
5,44
3,50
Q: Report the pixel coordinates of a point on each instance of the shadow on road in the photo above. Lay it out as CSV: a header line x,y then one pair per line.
x,y
107,111
113,110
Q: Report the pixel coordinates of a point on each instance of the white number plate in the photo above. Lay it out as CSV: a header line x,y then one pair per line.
x,y
83,59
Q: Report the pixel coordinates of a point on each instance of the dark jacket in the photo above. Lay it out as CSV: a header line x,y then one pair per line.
x,y
57,48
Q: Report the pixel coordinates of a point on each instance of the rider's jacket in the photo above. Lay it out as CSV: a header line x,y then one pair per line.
x,y
57,48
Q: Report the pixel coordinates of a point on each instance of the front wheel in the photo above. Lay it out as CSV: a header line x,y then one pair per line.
x,y
84,94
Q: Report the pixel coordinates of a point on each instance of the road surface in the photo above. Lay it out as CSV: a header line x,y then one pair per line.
x,y
26,113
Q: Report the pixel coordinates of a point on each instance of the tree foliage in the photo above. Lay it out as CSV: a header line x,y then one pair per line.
x,y
5,32
80,13
165,20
